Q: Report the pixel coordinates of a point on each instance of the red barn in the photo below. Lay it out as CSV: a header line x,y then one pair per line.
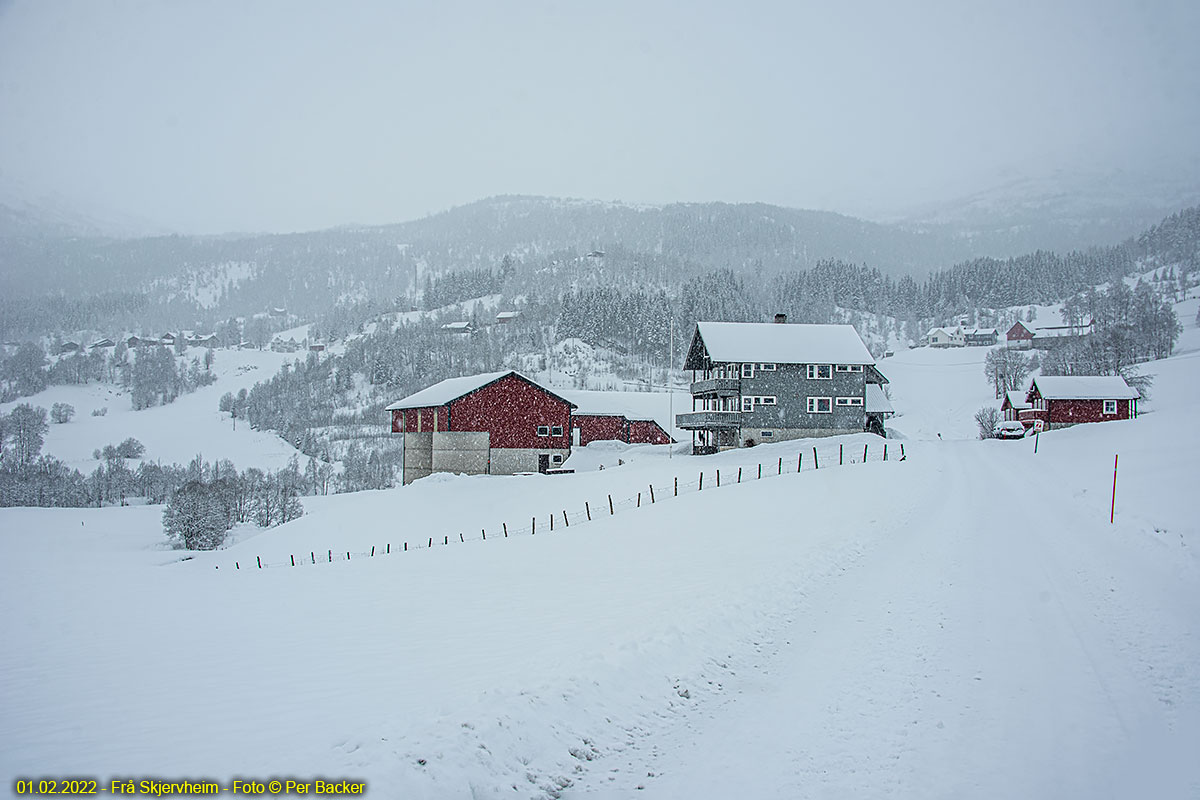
x,y
647,431
1063,400
499,423
1020,336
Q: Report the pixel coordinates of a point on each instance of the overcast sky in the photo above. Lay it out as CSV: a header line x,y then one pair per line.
x,y
248,115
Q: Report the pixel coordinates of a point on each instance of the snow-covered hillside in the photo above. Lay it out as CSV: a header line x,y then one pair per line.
x,y
174,433
965,622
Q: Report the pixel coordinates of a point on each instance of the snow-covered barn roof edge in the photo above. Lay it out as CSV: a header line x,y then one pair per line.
x,y
1083,387
877,402
597,403
451,389
771,342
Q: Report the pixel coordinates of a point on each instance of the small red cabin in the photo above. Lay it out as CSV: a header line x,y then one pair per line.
x,y
1019,335
1061,400
1014,403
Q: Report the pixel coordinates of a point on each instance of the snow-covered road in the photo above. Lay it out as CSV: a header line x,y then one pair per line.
x,y
992,643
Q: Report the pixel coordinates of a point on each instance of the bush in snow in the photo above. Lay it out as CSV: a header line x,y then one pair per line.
x,y
61,412
100,412
987,418
131,448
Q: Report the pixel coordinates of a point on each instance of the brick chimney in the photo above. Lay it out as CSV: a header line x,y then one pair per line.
x,y
781,319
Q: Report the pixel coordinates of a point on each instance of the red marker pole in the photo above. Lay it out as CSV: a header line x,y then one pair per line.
x,y
1112,514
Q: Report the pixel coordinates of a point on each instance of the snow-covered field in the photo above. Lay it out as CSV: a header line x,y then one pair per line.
x,y
965,623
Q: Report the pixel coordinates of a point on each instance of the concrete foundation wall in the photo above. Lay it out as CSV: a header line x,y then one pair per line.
x,y
787,434
508,461
464,452
418,456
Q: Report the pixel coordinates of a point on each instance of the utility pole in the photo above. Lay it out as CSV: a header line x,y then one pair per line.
x,y
671,390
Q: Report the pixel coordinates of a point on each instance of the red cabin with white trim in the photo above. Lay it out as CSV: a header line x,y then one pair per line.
x,y
1061,400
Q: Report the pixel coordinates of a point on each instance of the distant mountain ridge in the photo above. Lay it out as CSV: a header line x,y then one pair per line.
x,y
156,280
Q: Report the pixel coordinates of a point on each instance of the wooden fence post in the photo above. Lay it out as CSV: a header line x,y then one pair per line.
x,y
839,455
533,527
431,541
864,454
236,565
293,561
739,480
760,472
483,532
330,556
389,549
701,489
505,524
588,509
259,560
639,500
885,451
551,520
677,486
652,494
610,506
406,547
347,555
902,451
800,463
781,465
816,464
372,551
566,522
718,479
313,556
460,538
1112,513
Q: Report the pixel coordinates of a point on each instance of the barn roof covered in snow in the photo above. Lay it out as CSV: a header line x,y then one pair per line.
x,y
451,389
631,405
877,402
1083,387
776,343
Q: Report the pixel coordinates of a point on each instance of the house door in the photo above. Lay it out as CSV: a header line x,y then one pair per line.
x,y
575,437
543,462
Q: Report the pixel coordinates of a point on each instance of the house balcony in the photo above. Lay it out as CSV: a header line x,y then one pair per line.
x,y
717,387
709,420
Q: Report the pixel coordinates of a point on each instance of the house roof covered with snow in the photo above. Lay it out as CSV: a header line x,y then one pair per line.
x,y
1083,387
777,343
451,389
1016,400
877,402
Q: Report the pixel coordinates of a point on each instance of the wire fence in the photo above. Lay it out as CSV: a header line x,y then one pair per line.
x,y
558,520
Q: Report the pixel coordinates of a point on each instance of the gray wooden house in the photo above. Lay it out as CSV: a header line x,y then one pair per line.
x,y
769,382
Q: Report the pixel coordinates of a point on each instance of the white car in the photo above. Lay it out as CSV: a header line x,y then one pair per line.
x,y
1009,429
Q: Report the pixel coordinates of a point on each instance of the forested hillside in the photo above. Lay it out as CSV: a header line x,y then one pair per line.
x,y
62,285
